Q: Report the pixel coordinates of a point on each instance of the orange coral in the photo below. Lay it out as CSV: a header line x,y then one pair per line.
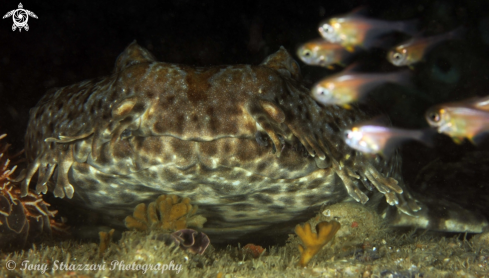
x,y
313,242
22,219
105,239
253,250
168,212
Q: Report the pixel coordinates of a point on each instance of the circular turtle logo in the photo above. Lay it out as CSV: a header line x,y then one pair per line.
x,y
20,17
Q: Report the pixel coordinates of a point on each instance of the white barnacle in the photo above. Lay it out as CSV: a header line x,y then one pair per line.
x,y
114,185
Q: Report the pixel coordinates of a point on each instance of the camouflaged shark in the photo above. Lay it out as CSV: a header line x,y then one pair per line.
x,y
246,143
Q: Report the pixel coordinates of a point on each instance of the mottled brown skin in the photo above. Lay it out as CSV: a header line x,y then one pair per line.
x,y
246,143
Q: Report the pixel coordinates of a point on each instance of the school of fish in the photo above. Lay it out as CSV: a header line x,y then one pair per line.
x,y
353,32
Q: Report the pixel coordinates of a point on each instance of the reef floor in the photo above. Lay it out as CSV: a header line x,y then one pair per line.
x,y
363,247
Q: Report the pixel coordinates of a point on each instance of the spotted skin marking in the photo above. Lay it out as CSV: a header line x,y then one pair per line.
x,y
242,142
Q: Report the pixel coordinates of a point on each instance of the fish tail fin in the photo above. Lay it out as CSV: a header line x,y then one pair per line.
x,y
426,136
383,42
402,77
458,33
409,27
480,103
458,140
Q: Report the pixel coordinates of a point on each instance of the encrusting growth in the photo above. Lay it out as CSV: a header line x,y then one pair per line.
x,y
314,242
168,212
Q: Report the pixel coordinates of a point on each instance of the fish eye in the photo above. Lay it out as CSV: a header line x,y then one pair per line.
x,y
434,117
397,56
306,53
327,28
323,92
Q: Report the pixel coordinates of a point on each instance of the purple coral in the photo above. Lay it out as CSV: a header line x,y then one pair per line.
x,y
193,241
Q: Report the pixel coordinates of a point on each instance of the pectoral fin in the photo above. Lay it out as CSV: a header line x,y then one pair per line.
x,y
458,140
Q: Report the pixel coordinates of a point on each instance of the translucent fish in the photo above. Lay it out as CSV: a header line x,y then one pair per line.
x,y
378,139
466,119
320,52
414,50
346,87
353,30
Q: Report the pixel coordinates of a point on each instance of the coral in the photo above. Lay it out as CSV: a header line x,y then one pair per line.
x,y
191,240
105,239
313,242
22,219
254,250
168,212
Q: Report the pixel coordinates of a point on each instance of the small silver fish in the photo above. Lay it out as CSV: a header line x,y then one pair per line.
x,y
347,87
320,52
378,139
414,50
465,119
353,29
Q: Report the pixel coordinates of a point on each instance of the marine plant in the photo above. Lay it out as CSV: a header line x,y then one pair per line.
x,y
105,239
314,242
168,213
